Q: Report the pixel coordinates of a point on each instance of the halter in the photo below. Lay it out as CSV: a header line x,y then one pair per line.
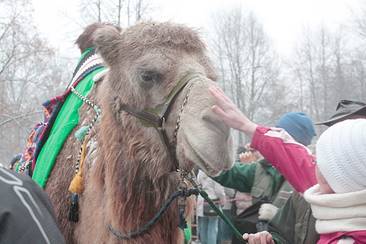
x,y
157,116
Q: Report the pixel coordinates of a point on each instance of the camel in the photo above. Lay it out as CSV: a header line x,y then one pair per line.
x,y
131,172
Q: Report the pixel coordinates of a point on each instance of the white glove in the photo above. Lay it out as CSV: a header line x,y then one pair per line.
x,y
267,211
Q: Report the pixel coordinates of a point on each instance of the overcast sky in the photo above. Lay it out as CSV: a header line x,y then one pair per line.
x,y
283,20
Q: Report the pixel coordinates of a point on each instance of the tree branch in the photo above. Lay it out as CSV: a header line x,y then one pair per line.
x,y
19,117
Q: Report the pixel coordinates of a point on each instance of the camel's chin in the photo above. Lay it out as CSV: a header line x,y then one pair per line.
x,y
210,163
207,167
198,164
210,171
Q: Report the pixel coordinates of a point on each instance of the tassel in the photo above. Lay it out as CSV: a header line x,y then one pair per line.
x,y
74,208
76,185
81,133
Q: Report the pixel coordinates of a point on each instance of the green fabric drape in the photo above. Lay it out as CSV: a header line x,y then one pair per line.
x,y
65,122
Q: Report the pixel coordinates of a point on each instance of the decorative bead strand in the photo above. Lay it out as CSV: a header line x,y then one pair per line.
x,y
90,126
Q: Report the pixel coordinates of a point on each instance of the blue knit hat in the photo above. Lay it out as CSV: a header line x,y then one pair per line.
x,y
299,126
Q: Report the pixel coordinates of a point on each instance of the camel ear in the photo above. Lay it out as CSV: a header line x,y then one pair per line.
x,y
107,41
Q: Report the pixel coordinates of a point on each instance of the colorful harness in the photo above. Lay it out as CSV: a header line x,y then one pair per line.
x,y
60,118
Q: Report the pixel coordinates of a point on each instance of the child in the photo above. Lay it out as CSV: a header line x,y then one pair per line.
x,y
338,201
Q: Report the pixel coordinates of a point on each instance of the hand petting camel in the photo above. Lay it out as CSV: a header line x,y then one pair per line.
x,y
229,113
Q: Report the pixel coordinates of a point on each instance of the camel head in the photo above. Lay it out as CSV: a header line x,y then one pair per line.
x,y
146,63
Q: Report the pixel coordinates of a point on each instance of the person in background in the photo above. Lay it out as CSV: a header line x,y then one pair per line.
x,y
346,109
339,199
207,218
266,185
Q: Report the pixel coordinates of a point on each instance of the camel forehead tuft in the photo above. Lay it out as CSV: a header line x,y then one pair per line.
x,y
155,35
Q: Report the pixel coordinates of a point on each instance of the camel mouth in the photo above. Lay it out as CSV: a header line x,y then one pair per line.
x,y
202,165
209,170
212,159
193,161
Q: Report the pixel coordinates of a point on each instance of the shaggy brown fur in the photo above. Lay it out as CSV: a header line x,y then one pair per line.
x,y
132,176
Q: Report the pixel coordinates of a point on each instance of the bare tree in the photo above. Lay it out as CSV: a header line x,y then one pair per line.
x,y
119,12
28,74
328,70
359,21
357,68
358,58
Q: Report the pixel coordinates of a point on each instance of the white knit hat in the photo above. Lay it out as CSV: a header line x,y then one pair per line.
x,y
341,155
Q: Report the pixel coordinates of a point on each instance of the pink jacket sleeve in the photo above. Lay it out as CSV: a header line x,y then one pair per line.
x,y
293,160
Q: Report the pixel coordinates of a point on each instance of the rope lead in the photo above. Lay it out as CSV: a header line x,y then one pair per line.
x,y
222,215
182,193
141,230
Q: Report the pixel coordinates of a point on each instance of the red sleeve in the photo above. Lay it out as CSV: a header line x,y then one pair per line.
x,y
291,159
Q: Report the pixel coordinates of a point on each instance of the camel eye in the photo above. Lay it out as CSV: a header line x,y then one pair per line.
x,y
150,76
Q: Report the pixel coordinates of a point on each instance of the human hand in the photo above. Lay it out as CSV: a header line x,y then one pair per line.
x,y
229,113
248,147
267,211
247,157
259,238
